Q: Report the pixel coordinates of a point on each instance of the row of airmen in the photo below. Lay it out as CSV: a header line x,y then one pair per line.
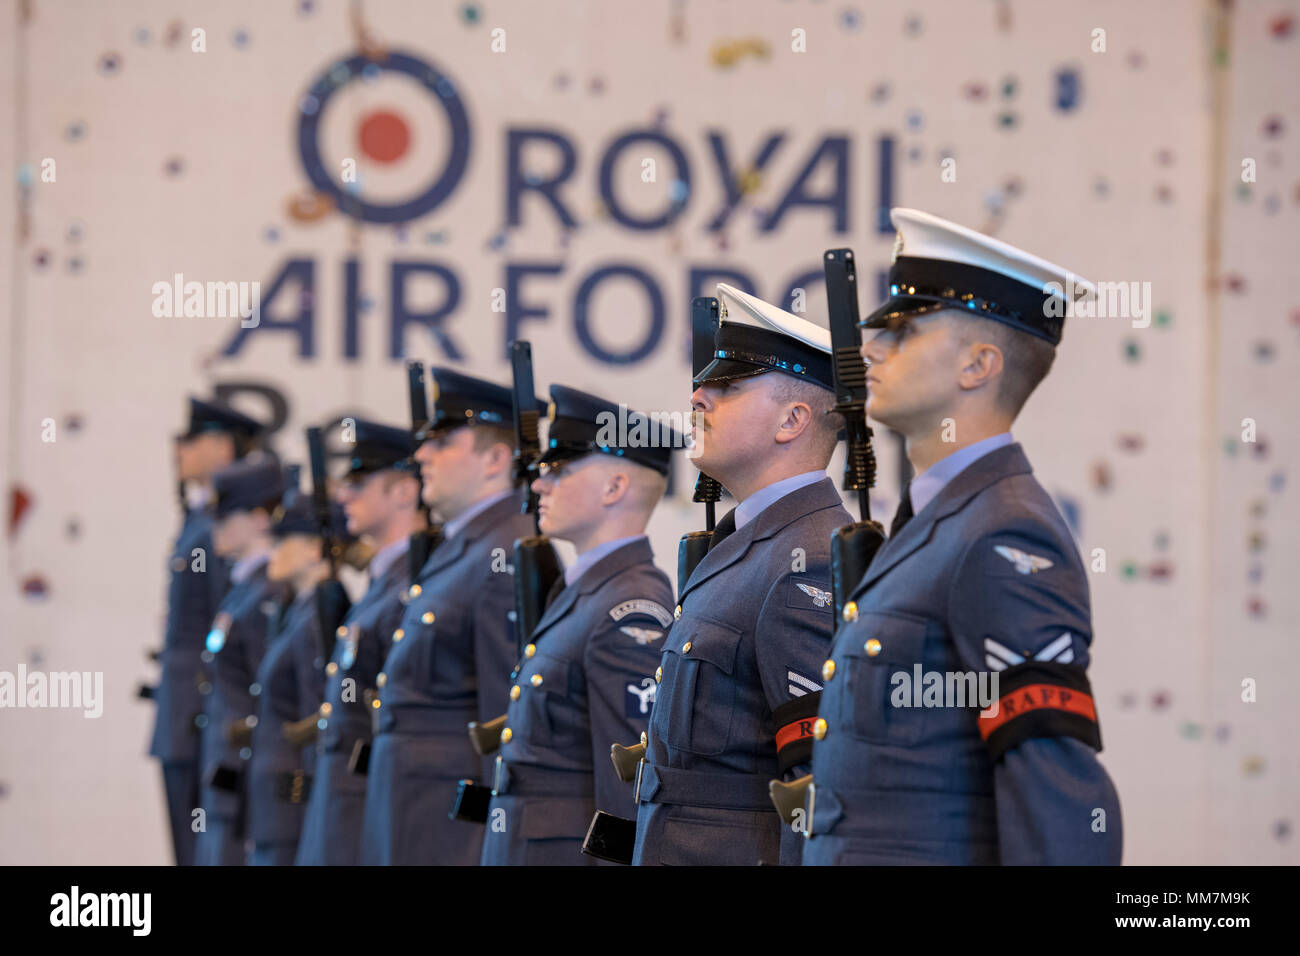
x,y
281,743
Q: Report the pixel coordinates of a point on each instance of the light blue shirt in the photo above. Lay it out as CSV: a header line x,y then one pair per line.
x,y
755,504
242,569
457,524
929,483
384,558
585,560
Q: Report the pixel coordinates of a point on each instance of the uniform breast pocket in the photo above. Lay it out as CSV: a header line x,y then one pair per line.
x,y
871,707
556,705
696,714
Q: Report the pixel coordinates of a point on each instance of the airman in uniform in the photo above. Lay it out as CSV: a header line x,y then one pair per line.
x,y
289,686
380,499
588,675
216,437
754,620
247,493
453,648
980,580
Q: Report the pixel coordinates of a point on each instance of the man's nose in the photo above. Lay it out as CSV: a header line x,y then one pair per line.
x,y
873,351
539,485
700,399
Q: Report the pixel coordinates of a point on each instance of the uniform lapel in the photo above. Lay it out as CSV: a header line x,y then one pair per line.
x,y
451,549
799,503
993,467
613,563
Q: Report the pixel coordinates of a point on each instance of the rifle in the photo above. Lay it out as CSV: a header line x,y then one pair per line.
x,y
694,545
537,566
853,545
425,541
332,601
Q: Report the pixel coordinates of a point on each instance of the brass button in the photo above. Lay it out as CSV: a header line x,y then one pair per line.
x,y
677,612
530,650
381,680
427,617
686,648
659,674
515,692
399,634
536,680
506,735
828,670
376,703
851,611
872,647
415,590
325,710
342,631
331,668
819,729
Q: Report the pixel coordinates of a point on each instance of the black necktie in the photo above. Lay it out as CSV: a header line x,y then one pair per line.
x,y
556,587
904,513
726,525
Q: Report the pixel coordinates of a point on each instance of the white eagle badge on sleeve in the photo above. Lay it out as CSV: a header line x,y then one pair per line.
x,y
1025,563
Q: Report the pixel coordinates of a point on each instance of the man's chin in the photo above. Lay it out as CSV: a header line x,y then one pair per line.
x,y
878,413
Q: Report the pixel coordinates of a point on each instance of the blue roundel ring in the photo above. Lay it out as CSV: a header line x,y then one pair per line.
x,y
428,76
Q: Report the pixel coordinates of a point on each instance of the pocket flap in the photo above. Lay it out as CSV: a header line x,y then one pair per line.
x,y
708,641
889,638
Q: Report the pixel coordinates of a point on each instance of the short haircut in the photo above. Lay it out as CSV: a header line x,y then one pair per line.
x,y
1026,359
648,485
485,436
826,424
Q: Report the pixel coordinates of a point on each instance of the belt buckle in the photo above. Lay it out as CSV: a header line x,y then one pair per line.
x,y
498,770
811,804
636,790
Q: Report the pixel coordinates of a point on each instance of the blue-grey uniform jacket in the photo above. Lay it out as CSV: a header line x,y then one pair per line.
x,y
587,679
985,578
192,601
449,665
754,626
331,832
234,649
290,685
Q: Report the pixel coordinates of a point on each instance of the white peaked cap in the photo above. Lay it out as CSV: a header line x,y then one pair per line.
x,y
742,308
925,236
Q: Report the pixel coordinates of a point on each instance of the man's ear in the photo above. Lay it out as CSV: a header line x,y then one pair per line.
x,y
617,484
797,420
981,365
500,458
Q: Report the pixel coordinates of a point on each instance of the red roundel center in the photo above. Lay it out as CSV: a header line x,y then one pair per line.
x,y
384,136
